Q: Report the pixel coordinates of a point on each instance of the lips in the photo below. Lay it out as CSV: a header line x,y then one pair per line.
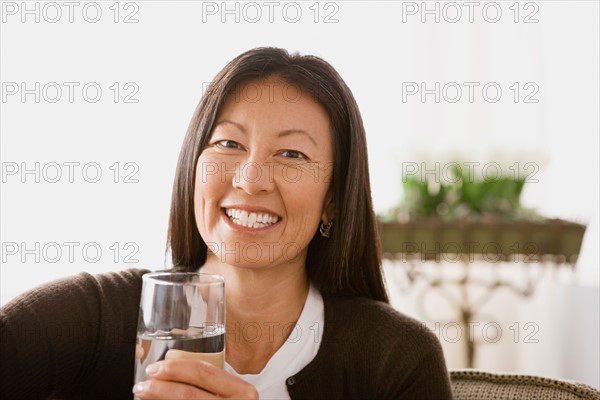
x,y
251,219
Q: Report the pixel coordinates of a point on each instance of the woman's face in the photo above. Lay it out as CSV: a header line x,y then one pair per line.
x,y
262,182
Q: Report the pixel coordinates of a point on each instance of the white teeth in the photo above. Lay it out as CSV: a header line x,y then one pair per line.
x,y
250,220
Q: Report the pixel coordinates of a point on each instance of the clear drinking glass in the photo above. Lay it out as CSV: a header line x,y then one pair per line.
x,y
182,315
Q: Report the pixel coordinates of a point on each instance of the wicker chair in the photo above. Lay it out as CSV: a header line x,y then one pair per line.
x,y
470,384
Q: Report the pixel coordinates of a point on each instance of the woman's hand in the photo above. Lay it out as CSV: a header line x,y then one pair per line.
x,y
192,379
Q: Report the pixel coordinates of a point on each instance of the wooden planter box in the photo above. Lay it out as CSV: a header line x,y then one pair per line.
x,y
493,241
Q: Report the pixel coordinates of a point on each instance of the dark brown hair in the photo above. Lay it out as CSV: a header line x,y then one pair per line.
x,y
348,263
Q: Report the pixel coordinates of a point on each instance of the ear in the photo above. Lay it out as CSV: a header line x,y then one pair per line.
x,y
328,208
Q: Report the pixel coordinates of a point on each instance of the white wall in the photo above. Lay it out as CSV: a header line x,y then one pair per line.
x,y
379,48
552,333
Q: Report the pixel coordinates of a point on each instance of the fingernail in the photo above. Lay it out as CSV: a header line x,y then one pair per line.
x,y
139,387
152,369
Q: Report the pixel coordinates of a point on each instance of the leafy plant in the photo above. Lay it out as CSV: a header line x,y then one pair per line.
x,y
462,197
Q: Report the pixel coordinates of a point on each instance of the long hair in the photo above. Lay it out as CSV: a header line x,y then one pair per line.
x,y
348,263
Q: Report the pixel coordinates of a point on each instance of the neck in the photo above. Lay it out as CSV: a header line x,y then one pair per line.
x,y
261,303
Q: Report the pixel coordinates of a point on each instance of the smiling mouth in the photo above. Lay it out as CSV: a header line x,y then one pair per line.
x,y
251,219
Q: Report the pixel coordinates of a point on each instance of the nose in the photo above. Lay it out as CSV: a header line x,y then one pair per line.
x,y
254,178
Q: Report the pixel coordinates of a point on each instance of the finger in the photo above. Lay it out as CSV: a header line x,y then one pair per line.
x,y
157,389
202,374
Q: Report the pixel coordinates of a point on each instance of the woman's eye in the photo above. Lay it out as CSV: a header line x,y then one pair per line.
x,y
293,154
228,144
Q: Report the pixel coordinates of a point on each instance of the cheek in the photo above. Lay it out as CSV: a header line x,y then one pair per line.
x,y
210,181
207,175
305,201
208,191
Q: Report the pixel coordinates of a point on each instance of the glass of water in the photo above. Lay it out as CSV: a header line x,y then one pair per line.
x,y
182,315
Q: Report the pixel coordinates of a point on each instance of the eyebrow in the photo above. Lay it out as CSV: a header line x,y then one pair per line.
x,y
291,131
227,121
280,134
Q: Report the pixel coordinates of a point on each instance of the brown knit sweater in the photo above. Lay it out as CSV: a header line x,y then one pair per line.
x,y
75,339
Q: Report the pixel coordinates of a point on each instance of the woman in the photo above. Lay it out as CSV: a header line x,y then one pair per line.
x,y
272,191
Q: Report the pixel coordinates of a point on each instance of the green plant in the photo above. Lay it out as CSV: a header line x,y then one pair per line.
x,y
462,197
